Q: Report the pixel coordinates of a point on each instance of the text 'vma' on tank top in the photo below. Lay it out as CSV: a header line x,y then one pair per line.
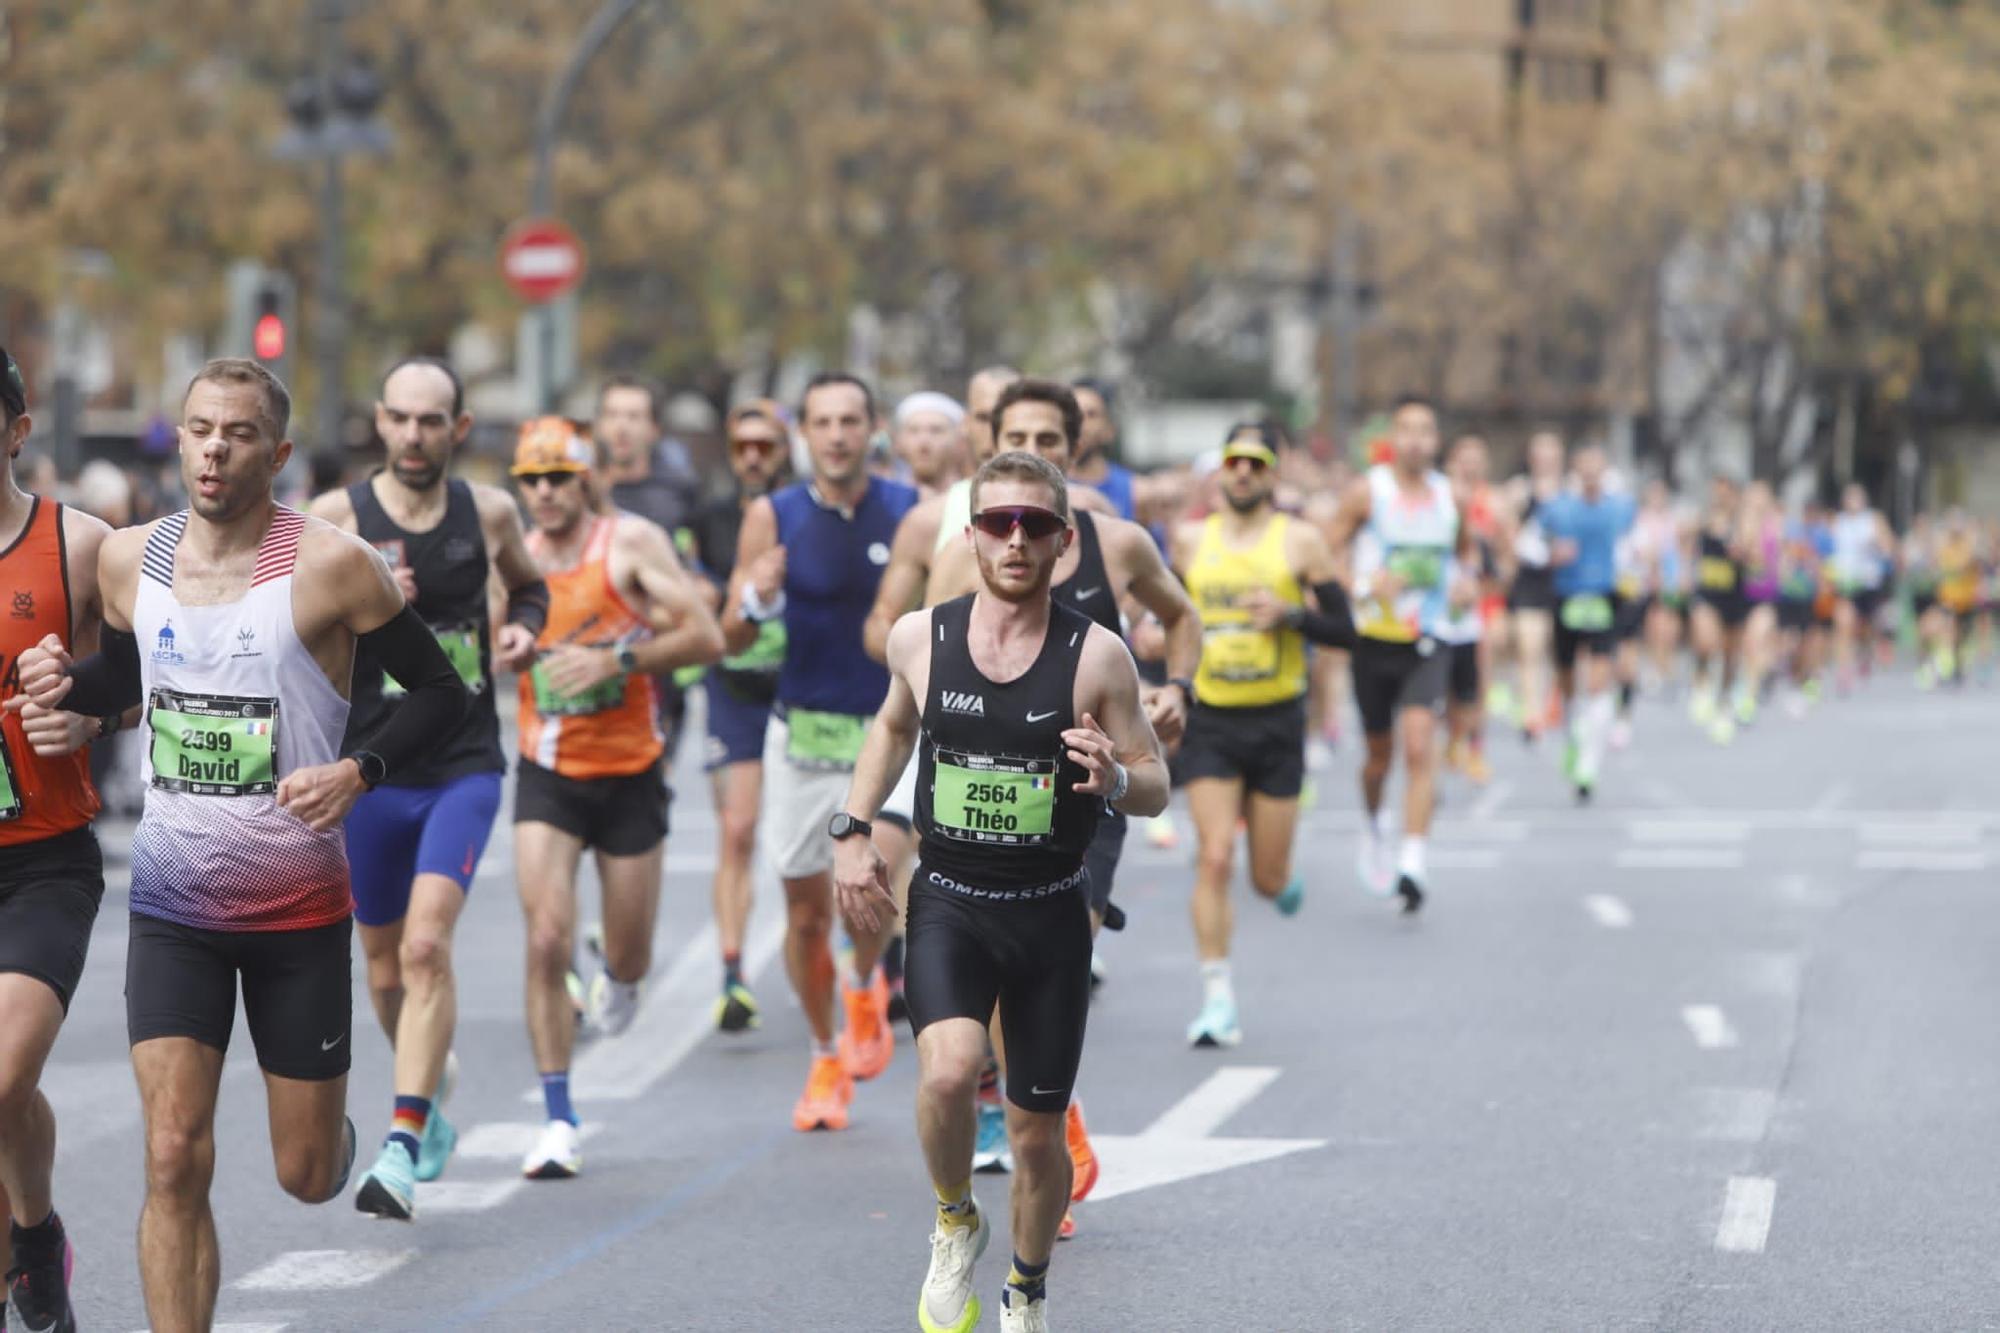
x,y
611,729
1243,666
1088,590
39,798
451,569
1414,540
234,703
998,812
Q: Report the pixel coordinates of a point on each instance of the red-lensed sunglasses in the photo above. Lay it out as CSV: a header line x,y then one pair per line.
x,y
1033,522
744,444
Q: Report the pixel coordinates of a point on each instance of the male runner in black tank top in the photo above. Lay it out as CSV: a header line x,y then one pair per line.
x,y
413,845
1031,721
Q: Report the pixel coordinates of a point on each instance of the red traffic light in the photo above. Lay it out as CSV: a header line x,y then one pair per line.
x,y
268,339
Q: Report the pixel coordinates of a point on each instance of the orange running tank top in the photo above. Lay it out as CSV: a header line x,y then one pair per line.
x,y
610,730
39,798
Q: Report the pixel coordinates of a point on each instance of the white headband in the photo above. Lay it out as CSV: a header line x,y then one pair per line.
x,y
929,400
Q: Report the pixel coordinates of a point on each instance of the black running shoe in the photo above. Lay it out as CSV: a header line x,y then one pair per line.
x,y
899,1004
38,1279
1583,793
1412,895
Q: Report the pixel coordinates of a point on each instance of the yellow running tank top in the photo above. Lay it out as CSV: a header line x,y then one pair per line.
x,y
1243,667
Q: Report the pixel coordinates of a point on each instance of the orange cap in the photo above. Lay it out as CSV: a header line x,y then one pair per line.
x,y
552,444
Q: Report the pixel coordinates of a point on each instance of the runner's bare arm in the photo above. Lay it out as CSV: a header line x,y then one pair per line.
x,y
336,507
755,543
1085,496
954,573
902,587
1112,729
643,558
860,876
517,574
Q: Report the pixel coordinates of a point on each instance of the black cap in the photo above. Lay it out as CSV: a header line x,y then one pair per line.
x,y
13,389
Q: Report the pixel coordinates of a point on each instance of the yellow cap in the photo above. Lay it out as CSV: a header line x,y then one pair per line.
x,y
1245,447
552,444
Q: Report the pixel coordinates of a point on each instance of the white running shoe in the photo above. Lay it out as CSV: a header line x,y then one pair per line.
x,y
556,1154
612,1004
1024,1317
1319,755
1371,862
947,1303
1621,734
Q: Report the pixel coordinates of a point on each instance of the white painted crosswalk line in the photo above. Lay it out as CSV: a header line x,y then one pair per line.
x,y
509,1141
1710,1026
1893,858
1609,912
1924,833
236,1328
1689,830
1465,858
1679,858
324,1270
1746,1215
466,1196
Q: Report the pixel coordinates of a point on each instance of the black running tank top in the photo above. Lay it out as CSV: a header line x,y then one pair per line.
x,y
1089,589
997,805
451,569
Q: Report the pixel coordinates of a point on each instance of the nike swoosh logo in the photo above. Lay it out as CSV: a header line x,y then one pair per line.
x,y
1042,717
1046,1092
329,1045
1083,594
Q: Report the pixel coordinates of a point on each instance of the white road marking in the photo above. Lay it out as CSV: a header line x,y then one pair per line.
x,y
1831,799
504,1141
1491,800
1679,858
1464,858
1490,830
1771,971
1609,912
1733,1115
1689,830
1892,859
238,1328
1710,1026
466,1196
1221,1095
1926,833
324,1270
1746,1215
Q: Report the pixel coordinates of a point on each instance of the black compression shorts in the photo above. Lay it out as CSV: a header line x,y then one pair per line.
x,y
48,902
1100,859
622,816
1391,677
1464,675
1030,956
297,991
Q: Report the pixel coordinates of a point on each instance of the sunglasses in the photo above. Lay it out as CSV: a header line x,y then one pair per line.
x,y
1034,523
533,480
753,444
1256,464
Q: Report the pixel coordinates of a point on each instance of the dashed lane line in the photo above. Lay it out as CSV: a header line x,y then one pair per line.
x,y
1679,858
324,1270
1746,1215
1709,1026
1886,858
1608,912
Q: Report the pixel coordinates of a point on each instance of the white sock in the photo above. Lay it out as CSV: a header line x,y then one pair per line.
x,y
1410,858
824,1049
863,980
1215,980
624,991
1378,824
1594,726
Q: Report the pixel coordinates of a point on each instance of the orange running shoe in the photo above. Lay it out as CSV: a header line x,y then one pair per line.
x,y
1475,768
867,1042
1082,1157
824,1103
1067,1230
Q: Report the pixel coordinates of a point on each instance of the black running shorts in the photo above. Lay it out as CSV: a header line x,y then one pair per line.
x,y
1264,747
1391,677
298,996
1795,614
1030,956
1100,859
48,902
1464,673
621,816
1533,589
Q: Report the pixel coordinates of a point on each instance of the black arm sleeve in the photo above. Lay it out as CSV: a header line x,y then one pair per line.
x,y
1333,623
528,607
437,698
107,682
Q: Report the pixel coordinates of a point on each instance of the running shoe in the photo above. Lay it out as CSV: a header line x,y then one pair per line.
x,y
899,1003
1097,972
991,1154
1066,1229
1621,733
579,996
829,1090
1161,833
1572,753
1371,862
38,1283
390,1187
1291,897
1477,771
1722,730
736,1009
947,1303
1412,894
1746,709
557,1154
440,1138
612,1006
1018,1315
1308,792
1583,793
1082,1157
1701,708
1216,1024
1319,755
867,1041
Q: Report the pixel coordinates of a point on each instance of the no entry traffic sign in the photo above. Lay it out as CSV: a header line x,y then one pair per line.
x,y
541,259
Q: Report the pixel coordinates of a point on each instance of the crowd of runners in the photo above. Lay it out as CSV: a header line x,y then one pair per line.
x,y
945,651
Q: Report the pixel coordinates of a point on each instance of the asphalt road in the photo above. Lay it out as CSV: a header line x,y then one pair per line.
x,y
1715,1053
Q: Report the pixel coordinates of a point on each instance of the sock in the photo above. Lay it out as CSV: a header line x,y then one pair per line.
x,y
1625,693
1594,721
1027,1282
45,1232
1378,823
406,1127
1215,980
955,1205
824,1050
862,980
732,970
555,1096
1410,857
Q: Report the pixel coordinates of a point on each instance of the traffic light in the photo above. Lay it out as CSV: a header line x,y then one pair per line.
x,y
263,308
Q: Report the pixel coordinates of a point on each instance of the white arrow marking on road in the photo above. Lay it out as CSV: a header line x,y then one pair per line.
x,y
1609,912
324,1270
1746,1214
1710,1027
1178,1145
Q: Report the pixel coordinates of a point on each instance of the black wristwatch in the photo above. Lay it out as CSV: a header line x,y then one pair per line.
x,y
628,661
1187,688
373,768
844,825
108,724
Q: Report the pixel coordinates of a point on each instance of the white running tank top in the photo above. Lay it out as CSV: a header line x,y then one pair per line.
x,y
1419,543
1857,564
957,514
234,702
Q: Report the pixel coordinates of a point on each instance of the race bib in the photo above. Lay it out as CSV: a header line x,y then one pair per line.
x,y
553,702
10,787
986,798
461,645
1715,574
1380,621
1421,568
824,742
213,745
765,654
1236,654
1586,613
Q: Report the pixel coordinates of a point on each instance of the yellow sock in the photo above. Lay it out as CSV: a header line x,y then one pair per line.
x,y
955,1205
